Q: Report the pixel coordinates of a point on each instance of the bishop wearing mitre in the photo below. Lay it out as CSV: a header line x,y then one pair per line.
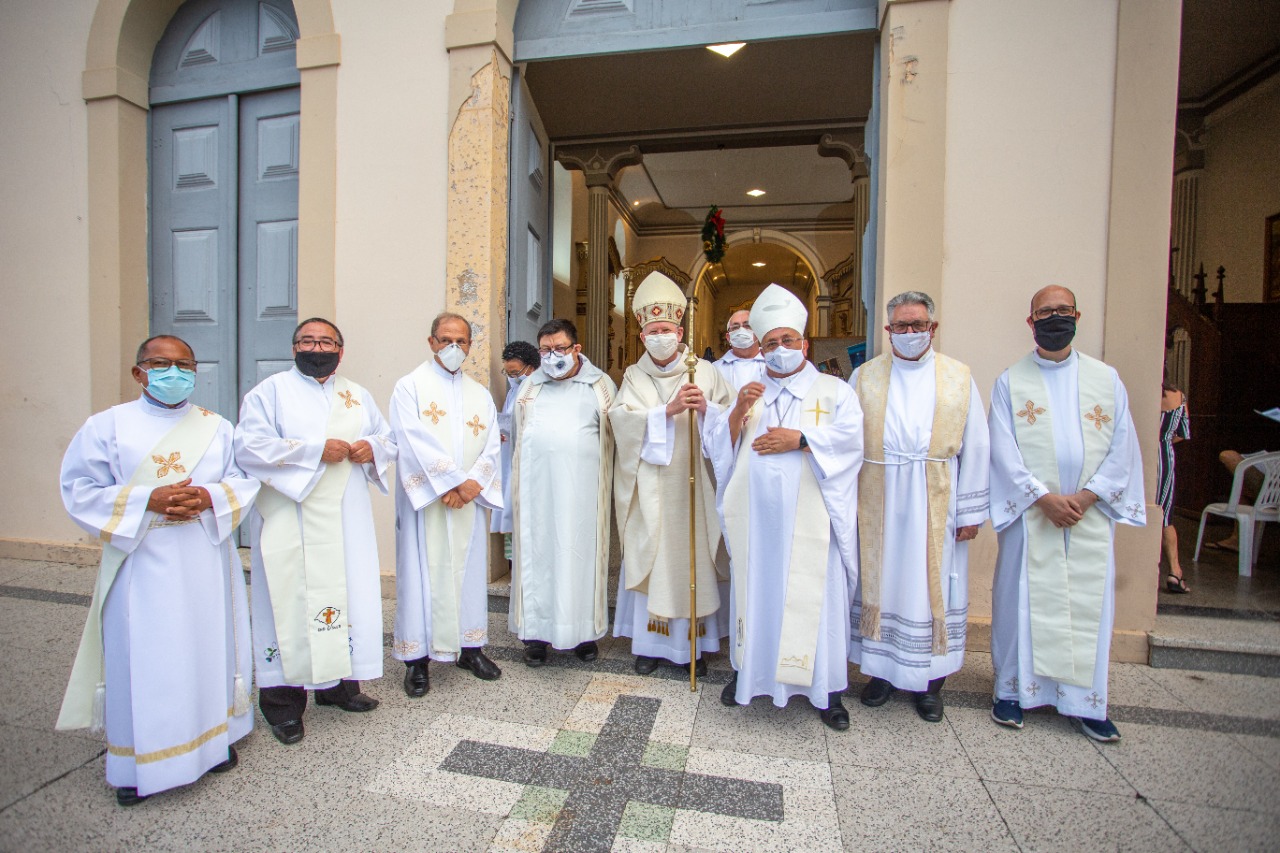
x,y
650,422
787,457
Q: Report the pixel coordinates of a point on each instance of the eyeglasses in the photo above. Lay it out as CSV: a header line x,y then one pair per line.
x,y
519,374
322,344
1060,310
788,342
186,365
918,326
564,350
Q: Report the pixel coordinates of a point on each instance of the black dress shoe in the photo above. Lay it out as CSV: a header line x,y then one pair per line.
x,y
834,716
929,706
728,696
535,653
356,704
700,669
416,680
233,759
129,797
288,732
646,665
473,660
876,693
587,652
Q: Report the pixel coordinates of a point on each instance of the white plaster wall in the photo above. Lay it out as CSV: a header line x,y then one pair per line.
x,y
393,126
1030,94
44,278
1239,189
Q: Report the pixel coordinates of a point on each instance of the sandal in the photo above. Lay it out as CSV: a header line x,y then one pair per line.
x,y
1175,584
1224,545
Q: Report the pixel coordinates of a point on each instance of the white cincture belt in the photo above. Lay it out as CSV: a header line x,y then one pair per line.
x,y
903,458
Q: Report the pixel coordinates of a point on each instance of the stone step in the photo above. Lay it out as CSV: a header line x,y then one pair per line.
x,y
1214,644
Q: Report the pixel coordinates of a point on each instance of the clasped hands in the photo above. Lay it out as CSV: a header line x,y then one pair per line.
x,y
460,496
336,450
688,397
181,500
1066,510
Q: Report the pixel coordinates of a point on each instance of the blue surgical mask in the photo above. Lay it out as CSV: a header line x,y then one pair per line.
x,y
783,360
170,386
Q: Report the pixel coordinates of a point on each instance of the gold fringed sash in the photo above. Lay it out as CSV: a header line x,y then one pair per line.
x,y
950,414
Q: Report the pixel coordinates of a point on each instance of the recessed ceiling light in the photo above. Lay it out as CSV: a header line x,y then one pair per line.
x,y
756,193
727,50
635,203
758,264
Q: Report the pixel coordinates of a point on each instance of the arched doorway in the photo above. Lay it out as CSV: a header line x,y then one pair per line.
x,y
224,168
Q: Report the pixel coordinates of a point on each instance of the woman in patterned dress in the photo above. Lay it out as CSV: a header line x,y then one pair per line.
x,y
1175,426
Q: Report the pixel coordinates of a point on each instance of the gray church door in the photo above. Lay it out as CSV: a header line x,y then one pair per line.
x,y
224,191
529,275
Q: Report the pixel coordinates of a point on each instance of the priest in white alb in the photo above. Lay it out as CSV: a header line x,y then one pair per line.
x,y
1065,470
317,442
563,480
743,362
446,427
165,664
923,494
786,459
650,422
519,359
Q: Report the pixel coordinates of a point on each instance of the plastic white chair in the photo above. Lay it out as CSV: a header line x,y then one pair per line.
x,y
1249,518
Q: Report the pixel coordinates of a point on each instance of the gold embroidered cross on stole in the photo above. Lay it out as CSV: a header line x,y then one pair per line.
x,y
1096,417
348,399
475,425
1030,412
818,412
435,413
167,465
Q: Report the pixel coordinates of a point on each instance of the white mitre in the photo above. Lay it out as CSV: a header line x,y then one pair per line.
x,y
777,308
658,298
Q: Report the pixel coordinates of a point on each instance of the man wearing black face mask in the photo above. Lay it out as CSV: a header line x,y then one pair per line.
x,y
315,440
1065,470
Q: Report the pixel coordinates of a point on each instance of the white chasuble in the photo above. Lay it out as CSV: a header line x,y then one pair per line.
x,y
918,601
563,472
314,548
1059,427
789,526
167,640
446,428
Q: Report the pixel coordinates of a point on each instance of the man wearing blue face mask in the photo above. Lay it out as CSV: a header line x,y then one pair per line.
x,y
519,359
161,661
923,495
1065,470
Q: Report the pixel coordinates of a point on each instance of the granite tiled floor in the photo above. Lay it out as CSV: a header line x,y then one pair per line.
x,y
1198,769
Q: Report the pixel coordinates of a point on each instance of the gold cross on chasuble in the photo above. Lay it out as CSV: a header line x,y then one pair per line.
x,y
475,425
348,399
1097,417
435,413
818,412
167,465
1030,412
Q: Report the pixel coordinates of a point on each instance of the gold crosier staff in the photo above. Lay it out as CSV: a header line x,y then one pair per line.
x,y
691,364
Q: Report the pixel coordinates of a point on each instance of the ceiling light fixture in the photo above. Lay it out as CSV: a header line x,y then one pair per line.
x,y
727,50
756,193
635,203
758,264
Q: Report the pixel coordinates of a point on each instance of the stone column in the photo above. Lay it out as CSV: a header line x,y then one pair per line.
x,y
823,327
599,166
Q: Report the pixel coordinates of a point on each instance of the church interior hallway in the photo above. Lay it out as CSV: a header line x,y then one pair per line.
x,y
505,765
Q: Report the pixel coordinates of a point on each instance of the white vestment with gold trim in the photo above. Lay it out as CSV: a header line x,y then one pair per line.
x,y
279,440
175,622
1016,485
787,494
446,427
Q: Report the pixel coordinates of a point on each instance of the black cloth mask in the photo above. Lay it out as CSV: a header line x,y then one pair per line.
x,y
316,364
1054,334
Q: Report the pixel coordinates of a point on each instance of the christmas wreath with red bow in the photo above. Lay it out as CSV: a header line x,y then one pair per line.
x,y
713,235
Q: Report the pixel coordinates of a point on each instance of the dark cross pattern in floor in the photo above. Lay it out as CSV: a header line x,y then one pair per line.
x,y
601,784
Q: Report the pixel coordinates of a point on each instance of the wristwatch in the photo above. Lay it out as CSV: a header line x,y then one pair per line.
x,y
804,442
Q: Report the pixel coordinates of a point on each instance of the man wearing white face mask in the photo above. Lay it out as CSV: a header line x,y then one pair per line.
x,y
743,362
562,473
446,427
924,494
519,359
651,489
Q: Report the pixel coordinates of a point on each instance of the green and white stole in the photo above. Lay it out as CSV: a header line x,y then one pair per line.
x,y
950,413
810,543
447,532
1065,588
170,461
604,487
305,562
